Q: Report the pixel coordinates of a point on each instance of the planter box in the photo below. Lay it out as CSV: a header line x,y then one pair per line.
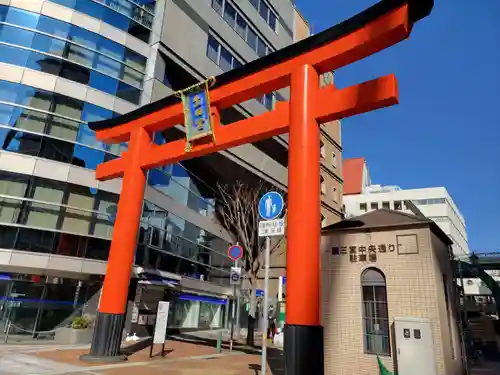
x,y
70,336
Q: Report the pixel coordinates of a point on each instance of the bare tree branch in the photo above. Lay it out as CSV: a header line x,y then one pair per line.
x,y
237,208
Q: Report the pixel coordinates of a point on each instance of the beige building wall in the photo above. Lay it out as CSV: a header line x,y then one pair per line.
x,y
301,27
331,166
414,285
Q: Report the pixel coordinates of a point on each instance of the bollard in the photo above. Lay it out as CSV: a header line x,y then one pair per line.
x,y
219,342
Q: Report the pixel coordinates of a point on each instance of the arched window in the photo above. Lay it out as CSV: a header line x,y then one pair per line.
x,y
375,312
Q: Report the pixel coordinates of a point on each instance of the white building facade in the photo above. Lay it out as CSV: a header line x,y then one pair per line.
x,y
435,203
477,287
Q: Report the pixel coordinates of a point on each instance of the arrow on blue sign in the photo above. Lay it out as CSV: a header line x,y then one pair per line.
x,y
271,205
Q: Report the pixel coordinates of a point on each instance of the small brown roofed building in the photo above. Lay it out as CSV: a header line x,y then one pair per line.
x,y
385,267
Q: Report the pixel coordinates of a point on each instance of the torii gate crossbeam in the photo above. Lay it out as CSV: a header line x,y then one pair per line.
x,y
298,66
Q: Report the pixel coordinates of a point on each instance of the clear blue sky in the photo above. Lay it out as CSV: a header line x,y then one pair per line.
x,y
446,129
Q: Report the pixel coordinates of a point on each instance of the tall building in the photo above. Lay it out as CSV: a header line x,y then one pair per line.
x,y
64,63
361,196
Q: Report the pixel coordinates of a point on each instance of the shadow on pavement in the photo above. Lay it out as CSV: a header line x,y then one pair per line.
x,y
485,368
136,347
183,337
255,368
274,360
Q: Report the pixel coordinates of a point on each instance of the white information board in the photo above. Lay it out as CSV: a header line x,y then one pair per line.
x,y
161,322
235,276
135,313
270,228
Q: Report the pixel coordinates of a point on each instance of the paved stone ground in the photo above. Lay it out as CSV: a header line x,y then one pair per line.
x,y
238,364
17,359
181,358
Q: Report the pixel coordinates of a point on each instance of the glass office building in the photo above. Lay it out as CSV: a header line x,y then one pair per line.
x,y
64,63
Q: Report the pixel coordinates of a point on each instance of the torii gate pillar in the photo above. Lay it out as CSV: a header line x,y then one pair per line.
x,y
303,330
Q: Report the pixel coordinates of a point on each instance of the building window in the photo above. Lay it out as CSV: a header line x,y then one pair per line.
x,y
267,100
241,27
252,39
226,59
362,207
220,55
230,15
73,53
323,220
335,195
386,205
322,184
266,13
213,49
322,151
133,18
375,312
334,160
430,201
398,206
217,6
273,21
238,23
374,205
261,48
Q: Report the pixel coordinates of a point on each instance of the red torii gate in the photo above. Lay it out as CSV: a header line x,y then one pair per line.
x,y
299,67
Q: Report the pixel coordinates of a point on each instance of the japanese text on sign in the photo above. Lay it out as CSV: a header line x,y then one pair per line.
x,y
160,329
363,253
272,228
199,114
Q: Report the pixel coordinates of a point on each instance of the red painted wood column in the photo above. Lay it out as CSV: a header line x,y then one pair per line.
x,y
111,312
303,343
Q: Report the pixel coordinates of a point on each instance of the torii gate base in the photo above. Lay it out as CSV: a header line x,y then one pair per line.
x,y
299,67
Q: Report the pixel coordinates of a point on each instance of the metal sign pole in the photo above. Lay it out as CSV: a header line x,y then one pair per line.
x,y
238,308
233,313
234,252
266,307
153,337
270,208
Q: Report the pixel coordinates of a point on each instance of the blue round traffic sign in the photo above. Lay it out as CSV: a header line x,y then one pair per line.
x,y
271,205
235,252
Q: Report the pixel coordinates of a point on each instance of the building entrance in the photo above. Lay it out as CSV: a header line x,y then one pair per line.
x,y
34,305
